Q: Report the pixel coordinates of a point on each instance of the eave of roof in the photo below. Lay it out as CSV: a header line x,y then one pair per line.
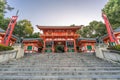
x,y
3,31
88,39
32,39
115,31
58,27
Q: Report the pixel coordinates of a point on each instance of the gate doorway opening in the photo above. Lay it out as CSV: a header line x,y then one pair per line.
x,y
59,49
60,46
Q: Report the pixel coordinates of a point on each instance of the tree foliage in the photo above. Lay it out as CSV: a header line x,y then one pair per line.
x,y
4,23
34,35
4,7
112,10
94,29
23,28
97,28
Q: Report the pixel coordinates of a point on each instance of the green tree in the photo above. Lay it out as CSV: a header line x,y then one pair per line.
x,y
72,25
112,10
94,29
4,7
23,28
84,31
34,35
4,23
97,29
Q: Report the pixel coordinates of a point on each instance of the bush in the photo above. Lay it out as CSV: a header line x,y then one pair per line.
x,y
116,47
5,48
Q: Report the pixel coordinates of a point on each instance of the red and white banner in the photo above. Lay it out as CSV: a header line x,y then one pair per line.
x,y
9,30
109,29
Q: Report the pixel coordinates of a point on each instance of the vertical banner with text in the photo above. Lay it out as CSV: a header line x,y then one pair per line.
x,y
109,29
9,30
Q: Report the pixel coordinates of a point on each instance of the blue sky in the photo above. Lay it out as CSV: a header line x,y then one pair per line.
x,y
57,12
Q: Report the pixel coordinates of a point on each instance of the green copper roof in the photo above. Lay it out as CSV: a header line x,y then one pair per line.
x,y
3,31
87,39
32,39
116,30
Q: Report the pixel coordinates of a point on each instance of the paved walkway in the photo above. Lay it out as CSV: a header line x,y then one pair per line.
x,y
59,66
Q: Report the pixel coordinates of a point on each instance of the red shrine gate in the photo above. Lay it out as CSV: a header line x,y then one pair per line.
x,y
59,38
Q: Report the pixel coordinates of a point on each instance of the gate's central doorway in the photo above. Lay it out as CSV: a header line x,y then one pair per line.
x,y
60,46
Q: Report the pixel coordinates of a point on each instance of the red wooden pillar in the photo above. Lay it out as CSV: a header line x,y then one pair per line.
x,y
85,47
75,45
66,46
53,46
44,47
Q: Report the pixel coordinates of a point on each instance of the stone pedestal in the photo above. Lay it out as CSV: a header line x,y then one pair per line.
x,y
20,49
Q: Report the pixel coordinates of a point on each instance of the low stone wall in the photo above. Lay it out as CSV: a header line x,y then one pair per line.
x,y
110,55
18,52
8,55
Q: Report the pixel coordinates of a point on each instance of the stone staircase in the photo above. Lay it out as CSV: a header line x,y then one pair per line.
x,y
59,66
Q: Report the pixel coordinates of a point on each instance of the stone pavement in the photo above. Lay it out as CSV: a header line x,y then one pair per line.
x,y
59,66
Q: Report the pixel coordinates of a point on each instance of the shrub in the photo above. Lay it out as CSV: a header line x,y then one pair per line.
x,y
5,48
116,47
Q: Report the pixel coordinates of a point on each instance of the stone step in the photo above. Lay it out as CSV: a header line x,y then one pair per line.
x,y
46,66
66,79
60,68
62,77
60,64
58,61
48,62
63,61
97,72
